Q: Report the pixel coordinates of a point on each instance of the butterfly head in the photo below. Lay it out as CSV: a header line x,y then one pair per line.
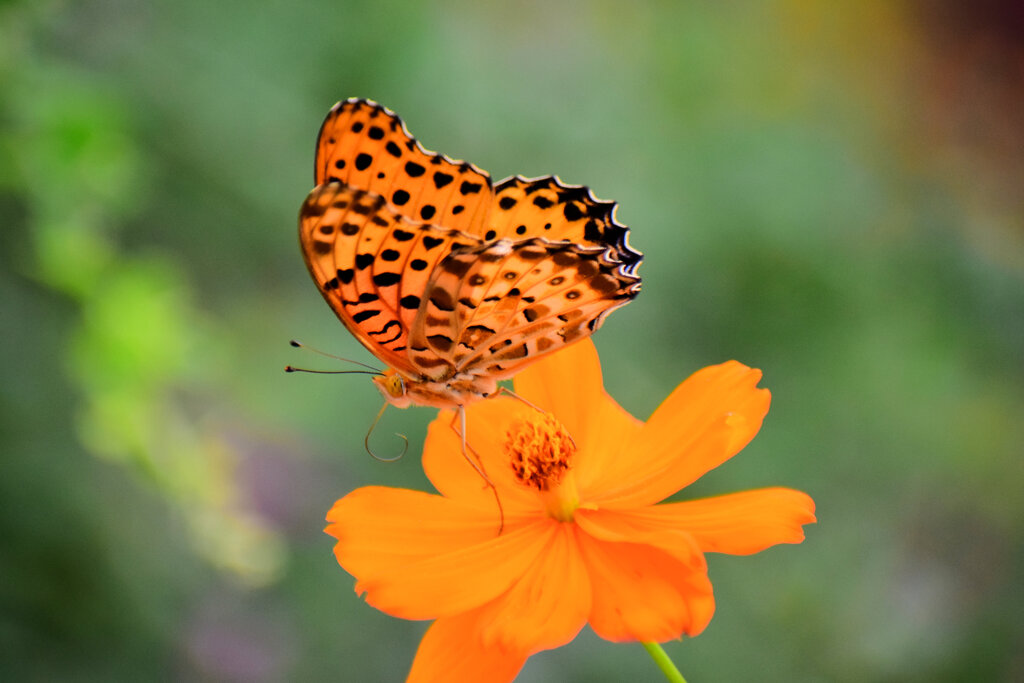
x,y
392,385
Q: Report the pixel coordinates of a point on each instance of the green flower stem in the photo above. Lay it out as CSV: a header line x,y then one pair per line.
x,y
664,663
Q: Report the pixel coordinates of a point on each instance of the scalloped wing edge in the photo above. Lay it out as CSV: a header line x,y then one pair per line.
x,y
390,112
623,252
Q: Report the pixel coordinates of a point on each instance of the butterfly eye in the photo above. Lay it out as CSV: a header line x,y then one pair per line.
x,y
395,386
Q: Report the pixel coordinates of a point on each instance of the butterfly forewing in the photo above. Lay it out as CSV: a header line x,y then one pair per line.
x,y
366,146
544,207
372,264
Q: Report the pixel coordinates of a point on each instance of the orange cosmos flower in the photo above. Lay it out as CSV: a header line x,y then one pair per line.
x,y
584,539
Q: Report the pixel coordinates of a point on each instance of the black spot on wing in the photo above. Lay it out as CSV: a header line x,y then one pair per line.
x,y
365,315
384,330
440,342
387,279
572,212
442,300
457,266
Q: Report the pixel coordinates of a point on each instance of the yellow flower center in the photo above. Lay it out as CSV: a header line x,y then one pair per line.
x,y
540,452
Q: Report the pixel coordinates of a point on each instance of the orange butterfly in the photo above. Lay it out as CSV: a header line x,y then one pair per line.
x,y
454,282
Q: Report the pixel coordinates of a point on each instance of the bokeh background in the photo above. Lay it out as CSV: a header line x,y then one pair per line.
x,y
833,192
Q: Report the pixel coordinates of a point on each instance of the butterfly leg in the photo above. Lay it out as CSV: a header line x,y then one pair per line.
x,y
506,390
476,463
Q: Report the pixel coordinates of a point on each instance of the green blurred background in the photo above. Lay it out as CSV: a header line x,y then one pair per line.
x,y
833,192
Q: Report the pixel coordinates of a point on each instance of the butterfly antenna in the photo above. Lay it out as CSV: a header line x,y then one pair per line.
x,y
300,345
292,368
366,441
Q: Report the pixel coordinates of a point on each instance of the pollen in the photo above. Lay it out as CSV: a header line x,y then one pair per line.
x,y
540,452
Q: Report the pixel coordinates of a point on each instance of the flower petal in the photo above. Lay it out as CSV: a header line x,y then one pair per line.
x,y
452,650
419,556
643,593
568,384
565,384
737,524
487,423
379,528
617,526
704,422
459,580
549,604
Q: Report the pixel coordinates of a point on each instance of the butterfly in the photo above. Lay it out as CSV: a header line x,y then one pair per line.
x,y
453,281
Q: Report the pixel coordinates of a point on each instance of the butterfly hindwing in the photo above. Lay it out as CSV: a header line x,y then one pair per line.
x,y
366,146
562,298
494,307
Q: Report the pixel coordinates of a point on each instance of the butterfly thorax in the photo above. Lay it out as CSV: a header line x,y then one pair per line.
x,y
459,390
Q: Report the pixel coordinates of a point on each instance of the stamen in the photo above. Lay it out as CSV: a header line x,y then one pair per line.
x,y
540,452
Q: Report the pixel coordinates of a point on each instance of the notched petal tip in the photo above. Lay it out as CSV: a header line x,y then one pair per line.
x,y
705,421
